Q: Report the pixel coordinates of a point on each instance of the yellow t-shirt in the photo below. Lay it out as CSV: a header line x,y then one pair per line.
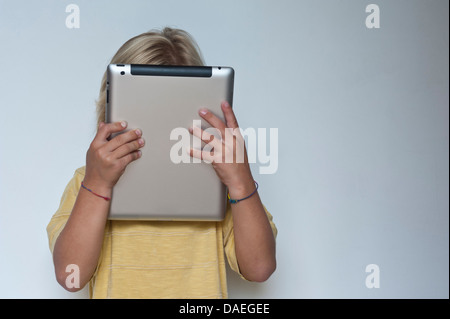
x,y
144,259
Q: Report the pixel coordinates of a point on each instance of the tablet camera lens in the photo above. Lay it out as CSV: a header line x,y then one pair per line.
x,y
123,72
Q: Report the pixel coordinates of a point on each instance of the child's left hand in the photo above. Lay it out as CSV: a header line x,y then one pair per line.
x,y
228,155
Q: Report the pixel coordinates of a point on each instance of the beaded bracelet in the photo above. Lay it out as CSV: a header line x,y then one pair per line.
x,y
234,201
104,197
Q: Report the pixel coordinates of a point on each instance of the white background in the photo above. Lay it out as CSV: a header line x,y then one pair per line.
x,y
362,116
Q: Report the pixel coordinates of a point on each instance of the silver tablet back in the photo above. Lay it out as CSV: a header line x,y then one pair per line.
x,y
163,101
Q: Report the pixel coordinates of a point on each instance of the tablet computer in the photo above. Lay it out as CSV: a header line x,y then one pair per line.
x,y
163,101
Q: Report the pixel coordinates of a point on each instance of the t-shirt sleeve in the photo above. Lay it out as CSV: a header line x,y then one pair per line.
x,y
59,219
228,236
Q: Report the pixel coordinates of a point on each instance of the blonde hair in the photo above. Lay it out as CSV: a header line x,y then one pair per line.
x,y
163,47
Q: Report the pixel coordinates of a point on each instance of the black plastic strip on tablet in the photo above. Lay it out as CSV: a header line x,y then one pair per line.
x,y
168,70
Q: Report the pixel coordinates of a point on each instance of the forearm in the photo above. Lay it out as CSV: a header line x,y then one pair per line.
x,y
253,236
80,242
81,239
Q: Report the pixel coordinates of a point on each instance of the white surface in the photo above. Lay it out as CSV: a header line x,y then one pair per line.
x,y
362,116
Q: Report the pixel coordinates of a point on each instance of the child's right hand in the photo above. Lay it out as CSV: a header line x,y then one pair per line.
x,y
106,160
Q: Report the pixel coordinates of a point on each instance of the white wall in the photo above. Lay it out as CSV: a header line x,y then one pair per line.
x,y
362,115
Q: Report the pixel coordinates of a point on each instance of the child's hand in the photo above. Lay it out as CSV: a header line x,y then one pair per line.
x,y
106,160
228,157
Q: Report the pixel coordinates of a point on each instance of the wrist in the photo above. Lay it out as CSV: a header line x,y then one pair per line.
x,y
98,186
242,189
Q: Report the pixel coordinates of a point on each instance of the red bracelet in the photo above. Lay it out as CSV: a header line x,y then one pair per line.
x,y
104,197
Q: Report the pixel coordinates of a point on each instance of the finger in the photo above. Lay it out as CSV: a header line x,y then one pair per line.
x,y
98,138
228,113
131,157
122,139
105,130
128,148
205,156
213,120
205,136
